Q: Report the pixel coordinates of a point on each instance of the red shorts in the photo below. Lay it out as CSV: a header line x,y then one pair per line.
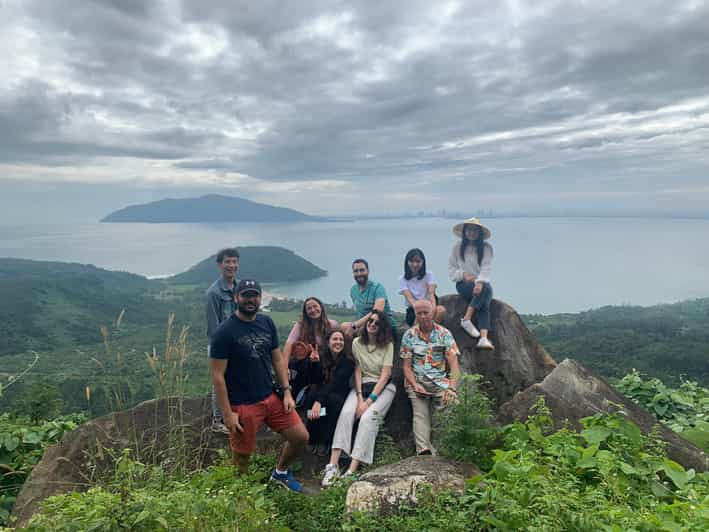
x,y
251,417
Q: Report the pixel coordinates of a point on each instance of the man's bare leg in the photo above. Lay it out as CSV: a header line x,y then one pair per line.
x,y
241,461
296,438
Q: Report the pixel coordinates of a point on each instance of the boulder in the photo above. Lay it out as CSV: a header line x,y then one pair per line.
x,y
517,362
572,392
164,429
388,487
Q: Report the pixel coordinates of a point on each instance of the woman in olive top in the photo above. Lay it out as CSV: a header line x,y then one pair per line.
x,y
370,400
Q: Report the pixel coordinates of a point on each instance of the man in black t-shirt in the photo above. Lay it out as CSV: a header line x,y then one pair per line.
x,y
244,353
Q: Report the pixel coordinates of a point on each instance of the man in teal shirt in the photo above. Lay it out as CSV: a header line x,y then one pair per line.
x,y
366,296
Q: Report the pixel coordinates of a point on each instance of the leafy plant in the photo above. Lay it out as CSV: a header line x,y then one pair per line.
x,y
464,430
684,409
22,443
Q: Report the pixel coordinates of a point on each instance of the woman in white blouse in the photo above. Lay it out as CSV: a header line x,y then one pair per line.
x,y
469,267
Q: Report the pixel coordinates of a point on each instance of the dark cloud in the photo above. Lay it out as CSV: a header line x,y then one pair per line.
x,y
392,93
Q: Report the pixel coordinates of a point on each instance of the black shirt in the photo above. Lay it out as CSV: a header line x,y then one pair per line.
x,y
247,346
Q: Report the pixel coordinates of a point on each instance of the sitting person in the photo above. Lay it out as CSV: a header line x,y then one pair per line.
x,y
337,367
304,344
417,284
367,296
469,267
425,348
370,400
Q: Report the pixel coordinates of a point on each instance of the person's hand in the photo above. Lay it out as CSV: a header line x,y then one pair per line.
x,y
449,396
362,407
420,389
314,413
231,420
477,288
469,277
288,402
314,353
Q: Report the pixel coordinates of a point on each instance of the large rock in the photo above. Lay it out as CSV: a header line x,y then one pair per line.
x,y
391,486
572,392
165,429
517,362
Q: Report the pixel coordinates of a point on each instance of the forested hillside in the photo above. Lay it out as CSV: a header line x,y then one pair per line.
x,y
666,341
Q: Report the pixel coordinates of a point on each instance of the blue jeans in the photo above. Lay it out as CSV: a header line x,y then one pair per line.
x,y
216,411
480,302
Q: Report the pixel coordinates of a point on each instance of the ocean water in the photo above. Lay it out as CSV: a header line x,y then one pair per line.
x,y
542,265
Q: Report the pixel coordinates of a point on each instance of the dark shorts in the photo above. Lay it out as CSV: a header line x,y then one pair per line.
x,y
269,411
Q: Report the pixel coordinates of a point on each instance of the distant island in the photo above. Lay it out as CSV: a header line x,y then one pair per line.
x,y
268,264
212,208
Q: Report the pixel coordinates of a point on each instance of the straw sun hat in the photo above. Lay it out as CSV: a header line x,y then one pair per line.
x,y
458,228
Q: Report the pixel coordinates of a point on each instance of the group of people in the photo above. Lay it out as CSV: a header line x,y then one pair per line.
x,y
339,374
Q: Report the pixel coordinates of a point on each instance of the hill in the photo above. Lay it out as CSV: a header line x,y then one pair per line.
x,y
49,304
268,264
665,341
212,208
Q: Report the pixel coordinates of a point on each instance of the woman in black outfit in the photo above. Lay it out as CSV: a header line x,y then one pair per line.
x,y
337,366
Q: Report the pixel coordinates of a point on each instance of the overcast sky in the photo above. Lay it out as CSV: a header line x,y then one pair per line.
x,y
340,107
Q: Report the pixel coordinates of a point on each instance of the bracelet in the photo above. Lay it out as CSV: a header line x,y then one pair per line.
x,y
359,394
354,325
373,396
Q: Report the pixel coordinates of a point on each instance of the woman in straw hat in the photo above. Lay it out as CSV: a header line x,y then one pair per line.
x,y
469,267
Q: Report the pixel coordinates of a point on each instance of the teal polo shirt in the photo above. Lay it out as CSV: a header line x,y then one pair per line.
x,y
364,300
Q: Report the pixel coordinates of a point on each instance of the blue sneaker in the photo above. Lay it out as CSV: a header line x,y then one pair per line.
x,y
287,481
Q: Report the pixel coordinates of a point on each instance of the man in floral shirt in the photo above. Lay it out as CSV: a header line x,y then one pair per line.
x,y
430,383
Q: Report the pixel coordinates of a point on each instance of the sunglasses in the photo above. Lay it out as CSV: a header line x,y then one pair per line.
x,y
374,323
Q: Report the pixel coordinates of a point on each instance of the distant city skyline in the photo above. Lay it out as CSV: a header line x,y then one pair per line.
x,y
372,108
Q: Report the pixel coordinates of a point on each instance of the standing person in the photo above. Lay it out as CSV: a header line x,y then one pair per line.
x,y
425,348
417,284
308,336
221,304
338,367
367,296
370,400
469,267
244,353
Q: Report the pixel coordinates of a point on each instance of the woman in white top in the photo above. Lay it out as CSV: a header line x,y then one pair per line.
x,y
469,267
417,284
370,400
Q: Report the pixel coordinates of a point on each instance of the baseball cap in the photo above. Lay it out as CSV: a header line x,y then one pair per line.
x,y
248,285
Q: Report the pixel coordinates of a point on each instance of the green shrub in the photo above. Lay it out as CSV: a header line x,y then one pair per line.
x,y
684,409
22,443
465,431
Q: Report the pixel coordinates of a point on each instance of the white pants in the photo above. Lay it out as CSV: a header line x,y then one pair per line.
x,y
369,424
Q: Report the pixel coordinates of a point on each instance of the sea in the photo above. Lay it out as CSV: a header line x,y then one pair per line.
x,y
541,265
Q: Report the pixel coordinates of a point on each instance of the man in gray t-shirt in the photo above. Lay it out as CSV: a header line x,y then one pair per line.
x,y
221,304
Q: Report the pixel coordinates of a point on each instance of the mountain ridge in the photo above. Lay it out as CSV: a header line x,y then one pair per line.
x,y
210,208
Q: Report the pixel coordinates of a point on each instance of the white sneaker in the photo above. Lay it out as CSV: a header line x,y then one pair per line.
x,y
484,343
468,327
331,473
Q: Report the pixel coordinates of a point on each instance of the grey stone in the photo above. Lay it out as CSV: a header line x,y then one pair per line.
x,y
388,487
572,392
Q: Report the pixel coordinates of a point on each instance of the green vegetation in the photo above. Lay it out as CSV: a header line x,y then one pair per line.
x,y
684,409
666,341
608,477
268,264
22,442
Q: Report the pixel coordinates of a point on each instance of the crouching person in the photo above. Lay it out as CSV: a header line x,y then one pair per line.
x,y
244,351
425,348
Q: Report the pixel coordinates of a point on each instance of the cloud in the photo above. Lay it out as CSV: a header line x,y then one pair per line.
x,y
292,99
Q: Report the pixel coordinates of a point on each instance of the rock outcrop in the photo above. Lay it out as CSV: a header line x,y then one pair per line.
x,y
572,392
388,487
155,428
517,362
